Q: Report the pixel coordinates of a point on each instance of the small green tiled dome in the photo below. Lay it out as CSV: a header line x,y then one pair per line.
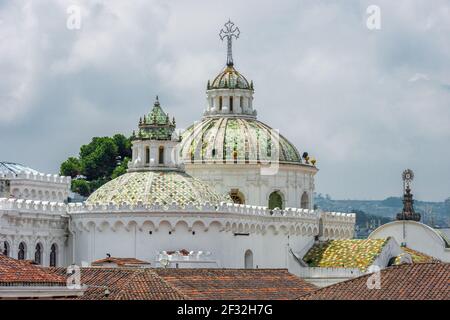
x,y
149,187
156,125
234,139
230,78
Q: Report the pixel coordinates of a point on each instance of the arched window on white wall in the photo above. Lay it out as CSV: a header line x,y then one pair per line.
x,y
38,254
276,200
304,203
248,259
5,248
147,155
53,255
22,251
161,155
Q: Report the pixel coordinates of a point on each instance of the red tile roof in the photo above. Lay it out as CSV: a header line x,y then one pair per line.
x,y
23,273
173,284
236,284
423,281
120,261
123,284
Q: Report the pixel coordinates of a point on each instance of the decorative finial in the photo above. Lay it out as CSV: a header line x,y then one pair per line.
x,y
407,176
157,101
408,212
229,32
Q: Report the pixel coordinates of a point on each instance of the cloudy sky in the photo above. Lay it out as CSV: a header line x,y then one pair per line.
x,y
366,103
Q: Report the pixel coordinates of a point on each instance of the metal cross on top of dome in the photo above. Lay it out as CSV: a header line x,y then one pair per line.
x,y
229,32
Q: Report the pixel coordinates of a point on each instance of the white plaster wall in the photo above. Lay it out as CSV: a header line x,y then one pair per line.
x,y
96,238
290,180
416,236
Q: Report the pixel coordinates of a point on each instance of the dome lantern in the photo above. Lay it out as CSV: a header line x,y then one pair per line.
x,y
230,93
155,142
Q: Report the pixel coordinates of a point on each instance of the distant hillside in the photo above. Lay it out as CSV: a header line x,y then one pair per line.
x,y
433,213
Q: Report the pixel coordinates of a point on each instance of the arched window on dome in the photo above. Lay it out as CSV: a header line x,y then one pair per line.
x,y
304,203
231,104
241,103
161,155
53,255
5,249
38,254
147,155
248,259
220,103
22,251
276,200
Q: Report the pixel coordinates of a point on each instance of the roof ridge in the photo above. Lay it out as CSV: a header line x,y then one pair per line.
x,y
169,285
145,272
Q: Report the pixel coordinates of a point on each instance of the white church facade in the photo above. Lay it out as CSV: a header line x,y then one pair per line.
x,y
230,192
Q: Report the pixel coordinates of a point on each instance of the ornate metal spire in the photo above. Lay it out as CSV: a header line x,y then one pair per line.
x,y
408,212
229,32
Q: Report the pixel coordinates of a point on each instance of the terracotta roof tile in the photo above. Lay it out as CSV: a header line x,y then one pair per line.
x,y
423,281
123,284
121,261
23,273
231,284
174,284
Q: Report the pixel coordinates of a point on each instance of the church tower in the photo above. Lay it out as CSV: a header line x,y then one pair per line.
x,y
154,144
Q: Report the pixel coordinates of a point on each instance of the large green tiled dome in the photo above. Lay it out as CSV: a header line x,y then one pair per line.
x,y
237,139
149,187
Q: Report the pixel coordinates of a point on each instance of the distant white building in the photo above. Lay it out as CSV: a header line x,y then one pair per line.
x,y
33,214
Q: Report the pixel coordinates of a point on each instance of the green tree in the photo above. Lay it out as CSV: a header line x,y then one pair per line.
x,y
99,161
98,158
120,169
81,186
71,167
123,145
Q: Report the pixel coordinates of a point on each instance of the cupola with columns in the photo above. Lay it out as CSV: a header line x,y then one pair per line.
x,y
229,94
155,143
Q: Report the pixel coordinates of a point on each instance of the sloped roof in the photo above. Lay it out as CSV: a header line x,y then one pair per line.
x,y
197,284
419,257
423,281
348,253
236,284
22,273
123,284
121,261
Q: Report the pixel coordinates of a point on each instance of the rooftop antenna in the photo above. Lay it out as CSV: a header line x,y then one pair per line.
x,y
229,32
